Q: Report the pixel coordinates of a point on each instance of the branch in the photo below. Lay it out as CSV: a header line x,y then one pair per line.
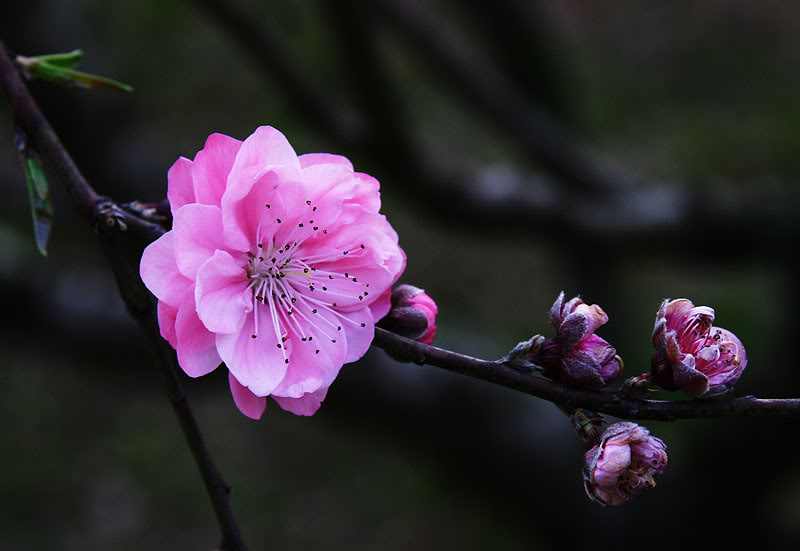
x,y
615,404
122,236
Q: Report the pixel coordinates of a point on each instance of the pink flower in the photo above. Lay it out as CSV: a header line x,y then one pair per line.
x,y
413,314
577,356
623,464
691,354
273,266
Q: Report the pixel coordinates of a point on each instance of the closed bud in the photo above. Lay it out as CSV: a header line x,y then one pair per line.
x,y
691,354
413,314
623,464
576,355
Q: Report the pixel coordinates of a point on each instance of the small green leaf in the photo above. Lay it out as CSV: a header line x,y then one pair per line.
x,y
38,195
88,80
68,60
61,68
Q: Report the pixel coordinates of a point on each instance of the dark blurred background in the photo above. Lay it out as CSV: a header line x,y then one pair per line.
x,y
691,105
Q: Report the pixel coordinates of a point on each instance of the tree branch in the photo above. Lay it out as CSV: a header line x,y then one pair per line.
x,y
610,403
122,236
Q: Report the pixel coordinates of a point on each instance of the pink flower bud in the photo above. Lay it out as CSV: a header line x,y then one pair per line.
x,y
691,354
576,355
413,314
623,464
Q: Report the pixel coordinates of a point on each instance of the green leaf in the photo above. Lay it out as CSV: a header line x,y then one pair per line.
x,y
38,195
68,60
61,68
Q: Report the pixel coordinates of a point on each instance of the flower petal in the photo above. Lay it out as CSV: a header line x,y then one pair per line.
x,y
257,363
211,168
306,405
313,159
248,403
264,150
198,233
166,322
159,271
556,316
380,306
221,293
196,347
359,330
319,349
180,188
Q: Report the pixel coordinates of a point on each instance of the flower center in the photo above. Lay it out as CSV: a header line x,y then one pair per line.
x,y
297,298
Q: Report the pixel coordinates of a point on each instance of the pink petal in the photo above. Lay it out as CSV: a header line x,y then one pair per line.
x,y
243,218
212,166
160,274
358,338
556,311
221,294
615,458
320,178
198,233
257,363
312,159
337,183
315,361
166,322
196,347
180,188
595,316
306,405
378,264
380,306
264,150
248,403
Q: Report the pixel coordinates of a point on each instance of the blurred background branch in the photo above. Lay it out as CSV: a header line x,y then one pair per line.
x,y
593,204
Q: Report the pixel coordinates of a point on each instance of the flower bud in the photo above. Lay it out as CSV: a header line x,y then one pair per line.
x,y
413,314
691,354
623,464
577,356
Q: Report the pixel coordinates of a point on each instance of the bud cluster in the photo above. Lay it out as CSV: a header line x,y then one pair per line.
x,y
691,355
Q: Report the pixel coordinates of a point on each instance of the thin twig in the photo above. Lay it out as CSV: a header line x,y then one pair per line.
x,y
122,235
615,404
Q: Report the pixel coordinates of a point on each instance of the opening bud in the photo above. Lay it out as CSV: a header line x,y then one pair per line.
x,y
623,464
413,314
